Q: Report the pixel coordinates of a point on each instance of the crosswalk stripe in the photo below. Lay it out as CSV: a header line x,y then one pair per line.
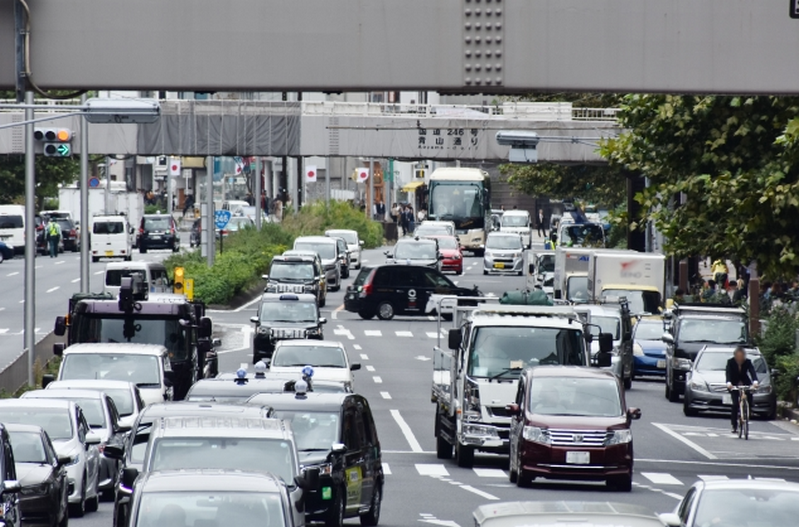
x,y
373,333
490,473
432,335
775,480
712,478
426,469
386,469
369,367
404,333
659,478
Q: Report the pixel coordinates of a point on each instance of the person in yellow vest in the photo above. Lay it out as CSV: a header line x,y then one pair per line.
x,y
53,234
720,272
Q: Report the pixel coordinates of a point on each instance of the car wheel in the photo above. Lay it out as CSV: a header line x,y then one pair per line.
x,y
513,474
372,516
621,483
628,382
668,392
336,513
92,504
64,519
485,273
523,479
688,411
443,448
385,311
2,258
78,510
128,258
95,259
366,315
674,397
142,249
323,301
175,247
465,455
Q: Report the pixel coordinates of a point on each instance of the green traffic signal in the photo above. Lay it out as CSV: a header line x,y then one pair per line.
x,y
57,149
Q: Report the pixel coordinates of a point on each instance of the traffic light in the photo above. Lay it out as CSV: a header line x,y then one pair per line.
x,y
56,141
179,284
419,173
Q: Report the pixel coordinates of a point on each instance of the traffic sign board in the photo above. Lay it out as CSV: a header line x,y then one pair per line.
x,y
221,218
94,182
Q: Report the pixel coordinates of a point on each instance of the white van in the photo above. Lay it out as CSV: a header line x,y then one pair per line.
x,y
235,206
153,276
12,226
110,238
517,222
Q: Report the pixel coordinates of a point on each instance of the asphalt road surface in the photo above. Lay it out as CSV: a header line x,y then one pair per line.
x,y
57,279
672,451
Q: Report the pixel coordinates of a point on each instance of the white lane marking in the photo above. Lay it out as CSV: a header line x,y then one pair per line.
x,y
364,356
15,273
61,262
672,495
357,347
369,367
385,395
406,431
237,310
38,267
343,332
711,434
386,469
775,480
22,301
427,469
404,333
490,473
659,478
4,330
431,318
2,309
434,335
99,272
455,282
712,478
75,281
441,523
683,440
422,358
373,333
479,492
377,379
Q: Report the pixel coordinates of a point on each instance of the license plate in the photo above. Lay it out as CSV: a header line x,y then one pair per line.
x,y
156,237
578,458
726,399
499,265
661,365
109,253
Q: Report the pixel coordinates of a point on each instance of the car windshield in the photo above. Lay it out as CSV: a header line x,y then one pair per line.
x,y
113,277
141,370
577,396
577,289
350,237
156,224
108,227
28,447
715,330
583,235
55,421
165,332
326,251
431,230
415,251
773,507
210,508
515,220
498,350
288,311
717,361
447,243
638,301
610,325
546,263
649,330
291,271
312,430
92,410
225,453
123,400
512,242
10,222
319,356
239,223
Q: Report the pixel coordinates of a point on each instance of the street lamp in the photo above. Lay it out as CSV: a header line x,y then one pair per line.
x,y
121,111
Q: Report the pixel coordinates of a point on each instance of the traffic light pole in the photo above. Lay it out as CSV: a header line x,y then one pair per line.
x,y
257,192
85,285
30,236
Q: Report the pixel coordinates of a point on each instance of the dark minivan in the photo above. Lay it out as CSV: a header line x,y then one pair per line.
x,y
394,289
158,231
571,422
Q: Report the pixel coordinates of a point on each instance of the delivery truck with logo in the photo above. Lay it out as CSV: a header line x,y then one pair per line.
x,y
638,277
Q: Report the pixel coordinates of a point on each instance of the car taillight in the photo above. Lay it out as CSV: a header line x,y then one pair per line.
x,y
172,230
73,232
141,230
366,288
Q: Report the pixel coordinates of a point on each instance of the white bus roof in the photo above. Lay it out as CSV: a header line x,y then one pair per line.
x,y
458,174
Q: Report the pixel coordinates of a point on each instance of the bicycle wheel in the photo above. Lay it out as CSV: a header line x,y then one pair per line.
x,y
745,412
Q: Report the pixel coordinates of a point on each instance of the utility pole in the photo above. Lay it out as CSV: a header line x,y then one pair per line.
x,y
209,228
300,175
370,202
85,285
283,180
257,192
30,235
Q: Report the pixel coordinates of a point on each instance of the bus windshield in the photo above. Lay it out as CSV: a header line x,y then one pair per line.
x,y
456,200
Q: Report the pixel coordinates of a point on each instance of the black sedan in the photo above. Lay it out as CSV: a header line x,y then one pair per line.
x,y
41,474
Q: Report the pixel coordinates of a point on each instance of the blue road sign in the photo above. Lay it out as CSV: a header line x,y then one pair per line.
x,y
221,218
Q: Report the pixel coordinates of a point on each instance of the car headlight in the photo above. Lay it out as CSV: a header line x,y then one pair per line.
x,y
536,434
620,437
325,469
40,488
472,398
456,257
75,460
681,364
309,287
315,332
764,389
263,330
638,351
699,386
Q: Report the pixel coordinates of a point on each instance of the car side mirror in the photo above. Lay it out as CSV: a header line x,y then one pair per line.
x,y
309,480
206,328
668,338
322,320
360,242
169,378
338,448
254,320
58,349
513,409
605,342
63,461
670,519
114,452
92,438
12,486
634,413
454,339
123,429
775,372
265,276
47,378
355,366
216,343
129,475
603,359
60,326
386,253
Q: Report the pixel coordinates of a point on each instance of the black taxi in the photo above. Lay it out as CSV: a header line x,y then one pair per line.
x,y
282,317
334,432
397,289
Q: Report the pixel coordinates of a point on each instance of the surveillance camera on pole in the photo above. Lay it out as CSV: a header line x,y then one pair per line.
x,y
121,111
523,145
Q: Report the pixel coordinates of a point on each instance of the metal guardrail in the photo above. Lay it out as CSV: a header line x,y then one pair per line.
x,y
14,375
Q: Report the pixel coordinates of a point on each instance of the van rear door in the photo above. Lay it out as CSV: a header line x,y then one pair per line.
x,y
110,239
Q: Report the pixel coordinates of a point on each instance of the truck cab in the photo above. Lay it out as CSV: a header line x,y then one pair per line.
x,y
475,379
539,268
614,319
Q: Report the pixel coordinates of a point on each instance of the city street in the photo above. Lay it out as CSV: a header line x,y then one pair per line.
x,y
672,451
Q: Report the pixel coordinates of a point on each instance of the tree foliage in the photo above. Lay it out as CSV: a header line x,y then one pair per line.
x,y
50,173
600,184
734,161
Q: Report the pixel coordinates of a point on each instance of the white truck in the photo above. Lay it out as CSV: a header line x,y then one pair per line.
x,y
571,273
120,201
640,277
476,378
539,268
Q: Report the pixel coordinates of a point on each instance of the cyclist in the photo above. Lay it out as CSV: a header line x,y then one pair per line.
x,y
739,371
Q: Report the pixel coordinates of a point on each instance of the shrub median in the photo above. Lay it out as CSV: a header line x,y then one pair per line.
x,y
248,253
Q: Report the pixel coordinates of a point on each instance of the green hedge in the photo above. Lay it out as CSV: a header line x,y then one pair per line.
x,y
247,254
777,344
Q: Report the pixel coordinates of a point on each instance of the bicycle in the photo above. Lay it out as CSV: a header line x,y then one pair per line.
x,y
743,410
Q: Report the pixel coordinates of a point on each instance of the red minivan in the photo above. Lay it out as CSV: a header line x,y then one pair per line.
x,y
571,422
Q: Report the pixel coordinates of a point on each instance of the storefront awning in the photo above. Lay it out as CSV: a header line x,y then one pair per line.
x,y
413,185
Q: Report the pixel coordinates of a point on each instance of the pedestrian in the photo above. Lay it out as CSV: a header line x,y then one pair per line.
x,y
188,204
542,227
394,212
53,236
411,220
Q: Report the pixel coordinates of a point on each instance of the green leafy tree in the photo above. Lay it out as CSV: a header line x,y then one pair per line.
x,y
600,184
734,160
50,173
